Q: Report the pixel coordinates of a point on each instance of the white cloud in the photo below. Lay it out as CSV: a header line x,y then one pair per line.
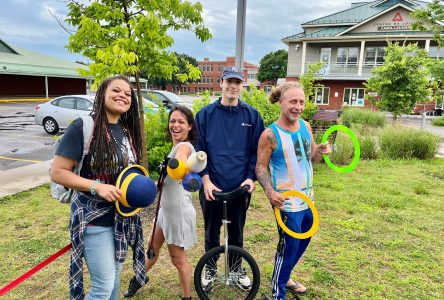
x,y
27,23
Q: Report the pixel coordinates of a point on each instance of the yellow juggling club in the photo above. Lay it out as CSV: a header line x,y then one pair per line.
x,y
176,168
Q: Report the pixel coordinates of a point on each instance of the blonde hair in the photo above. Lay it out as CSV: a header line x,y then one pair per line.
x,y
277,92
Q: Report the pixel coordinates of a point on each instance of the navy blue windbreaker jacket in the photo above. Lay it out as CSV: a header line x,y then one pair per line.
x,y
229,135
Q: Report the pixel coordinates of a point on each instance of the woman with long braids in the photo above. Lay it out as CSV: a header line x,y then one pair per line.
x,y
99,234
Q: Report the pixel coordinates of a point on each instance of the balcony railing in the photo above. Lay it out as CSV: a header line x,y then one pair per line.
x,y
344,70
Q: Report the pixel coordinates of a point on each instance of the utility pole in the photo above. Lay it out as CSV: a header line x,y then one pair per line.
x,y
240,33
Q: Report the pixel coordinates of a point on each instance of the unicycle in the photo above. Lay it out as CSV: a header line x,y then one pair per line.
x,y
227,272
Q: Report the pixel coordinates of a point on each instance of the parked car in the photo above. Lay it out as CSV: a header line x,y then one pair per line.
x,y
168,99
149,106
58,113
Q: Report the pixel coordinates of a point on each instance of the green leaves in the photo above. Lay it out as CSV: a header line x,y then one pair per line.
x,y
309,78
402,80
125,37
430,20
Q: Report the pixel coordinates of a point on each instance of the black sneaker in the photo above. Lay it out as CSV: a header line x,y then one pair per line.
x,y
133,287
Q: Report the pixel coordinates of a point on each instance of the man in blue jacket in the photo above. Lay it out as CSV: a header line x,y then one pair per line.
x,y
229,131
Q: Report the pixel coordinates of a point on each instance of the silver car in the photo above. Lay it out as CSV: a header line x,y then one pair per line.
x,y
58,113
168,99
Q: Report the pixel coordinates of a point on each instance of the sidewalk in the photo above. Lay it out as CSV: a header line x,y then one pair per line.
x,y
24,178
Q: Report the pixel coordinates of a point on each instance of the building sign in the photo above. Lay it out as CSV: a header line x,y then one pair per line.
x,y
396,24
397,17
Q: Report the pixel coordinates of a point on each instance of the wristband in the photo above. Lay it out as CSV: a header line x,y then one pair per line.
x,y
91,190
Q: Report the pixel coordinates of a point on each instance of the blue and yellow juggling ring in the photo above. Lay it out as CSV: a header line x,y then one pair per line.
x,y
356,145
297,235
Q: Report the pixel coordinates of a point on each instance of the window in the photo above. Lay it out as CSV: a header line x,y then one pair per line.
x,y
321,95
374,56
347,56
219,68
211,68
354,96
433,52
83,104
67,103
252,76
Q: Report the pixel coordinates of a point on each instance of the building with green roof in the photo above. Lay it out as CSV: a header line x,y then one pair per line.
x,y
25,73
350,43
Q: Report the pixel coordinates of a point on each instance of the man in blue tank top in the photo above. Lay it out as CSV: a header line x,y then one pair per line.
x,y
284,162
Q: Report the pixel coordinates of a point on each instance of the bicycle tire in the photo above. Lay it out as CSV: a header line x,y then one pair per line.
x,y
221,287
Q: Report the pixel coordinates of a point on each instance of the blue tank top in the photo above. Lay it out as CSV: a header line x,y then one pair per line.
x,y
290,165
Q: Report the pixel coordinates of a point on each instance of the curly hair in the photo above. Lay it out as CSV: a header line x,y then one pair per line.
x,y
277,92
105,152
188,114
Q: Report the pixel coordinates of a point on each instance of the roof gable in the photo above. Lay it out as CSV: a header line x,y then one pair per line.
x,y
387,3
359,13
397,17
5,48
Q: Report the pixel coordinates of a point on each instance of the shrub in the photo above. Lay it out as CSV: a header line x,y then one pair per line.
x,y
351,116
405,143
271,112
438,121
199,103
156,140
369,147
342,150
259,100
309,111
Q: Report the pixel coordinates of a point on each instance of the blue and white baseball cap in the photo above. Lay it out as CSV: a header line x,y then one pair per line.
x,y
232,72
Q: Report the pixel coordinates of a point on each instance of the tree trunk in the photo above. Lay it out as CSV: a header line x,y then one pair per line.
x,y
144,160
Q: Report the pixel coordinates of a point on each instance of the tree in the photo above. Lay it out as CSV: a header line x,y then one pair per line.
x,y
309,78
430,19
273,66
401,81
127,36
182,61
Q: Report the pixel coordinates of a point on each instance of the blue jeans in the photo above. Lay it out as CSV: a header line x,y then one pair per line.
x,y
100,258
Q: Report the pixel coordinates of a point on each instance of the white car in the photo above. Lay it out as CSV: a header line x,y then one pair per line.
x,y
58,113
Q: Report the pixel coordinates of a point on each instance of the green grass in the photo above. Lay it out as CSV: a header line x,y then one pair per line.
x,y
380,237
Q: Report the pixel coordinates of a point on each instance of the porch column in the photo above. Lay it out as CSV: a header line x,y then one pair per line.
x,y
304,50
427,46
46,87
361,58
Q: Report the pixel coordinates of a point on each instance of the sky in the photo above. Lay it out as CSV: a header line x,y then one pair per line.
x,y
28,24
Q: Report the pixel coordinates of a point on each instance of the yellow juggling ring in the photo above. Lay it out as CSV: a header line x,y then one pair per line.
x,y
314,227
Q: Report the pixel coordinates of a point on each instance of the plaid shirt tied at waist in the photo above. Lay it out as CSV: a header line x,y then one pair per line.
x,y
127,231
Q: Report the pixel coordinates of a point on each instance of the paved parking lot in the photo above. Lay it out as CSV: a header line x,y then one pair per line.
x,y
22,142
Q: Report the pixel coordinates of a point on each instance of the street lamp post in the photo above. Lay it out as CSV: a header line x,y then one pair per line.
x,y
240,33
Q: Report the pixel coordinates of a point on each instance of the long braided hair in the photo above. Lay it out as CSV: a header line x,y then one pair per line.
x,y
103,150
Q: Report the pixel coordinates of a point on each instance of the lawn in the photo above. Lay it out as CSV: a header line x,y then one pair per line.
x,y
380,237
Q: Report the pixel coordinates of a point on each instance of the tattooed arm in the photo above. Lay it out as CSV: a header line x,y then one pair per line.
x,y
267,144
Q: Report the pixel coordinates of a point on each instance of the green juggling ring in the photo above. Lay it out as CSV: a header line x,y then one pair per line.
x,y
356,145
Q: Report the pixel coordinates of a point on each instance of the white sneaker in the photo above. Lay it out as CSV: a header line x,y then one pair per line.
x,y
207,281
244,281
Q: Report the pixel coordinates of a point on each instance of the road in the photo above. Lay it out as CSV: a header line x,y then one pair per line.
x,y
22,142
